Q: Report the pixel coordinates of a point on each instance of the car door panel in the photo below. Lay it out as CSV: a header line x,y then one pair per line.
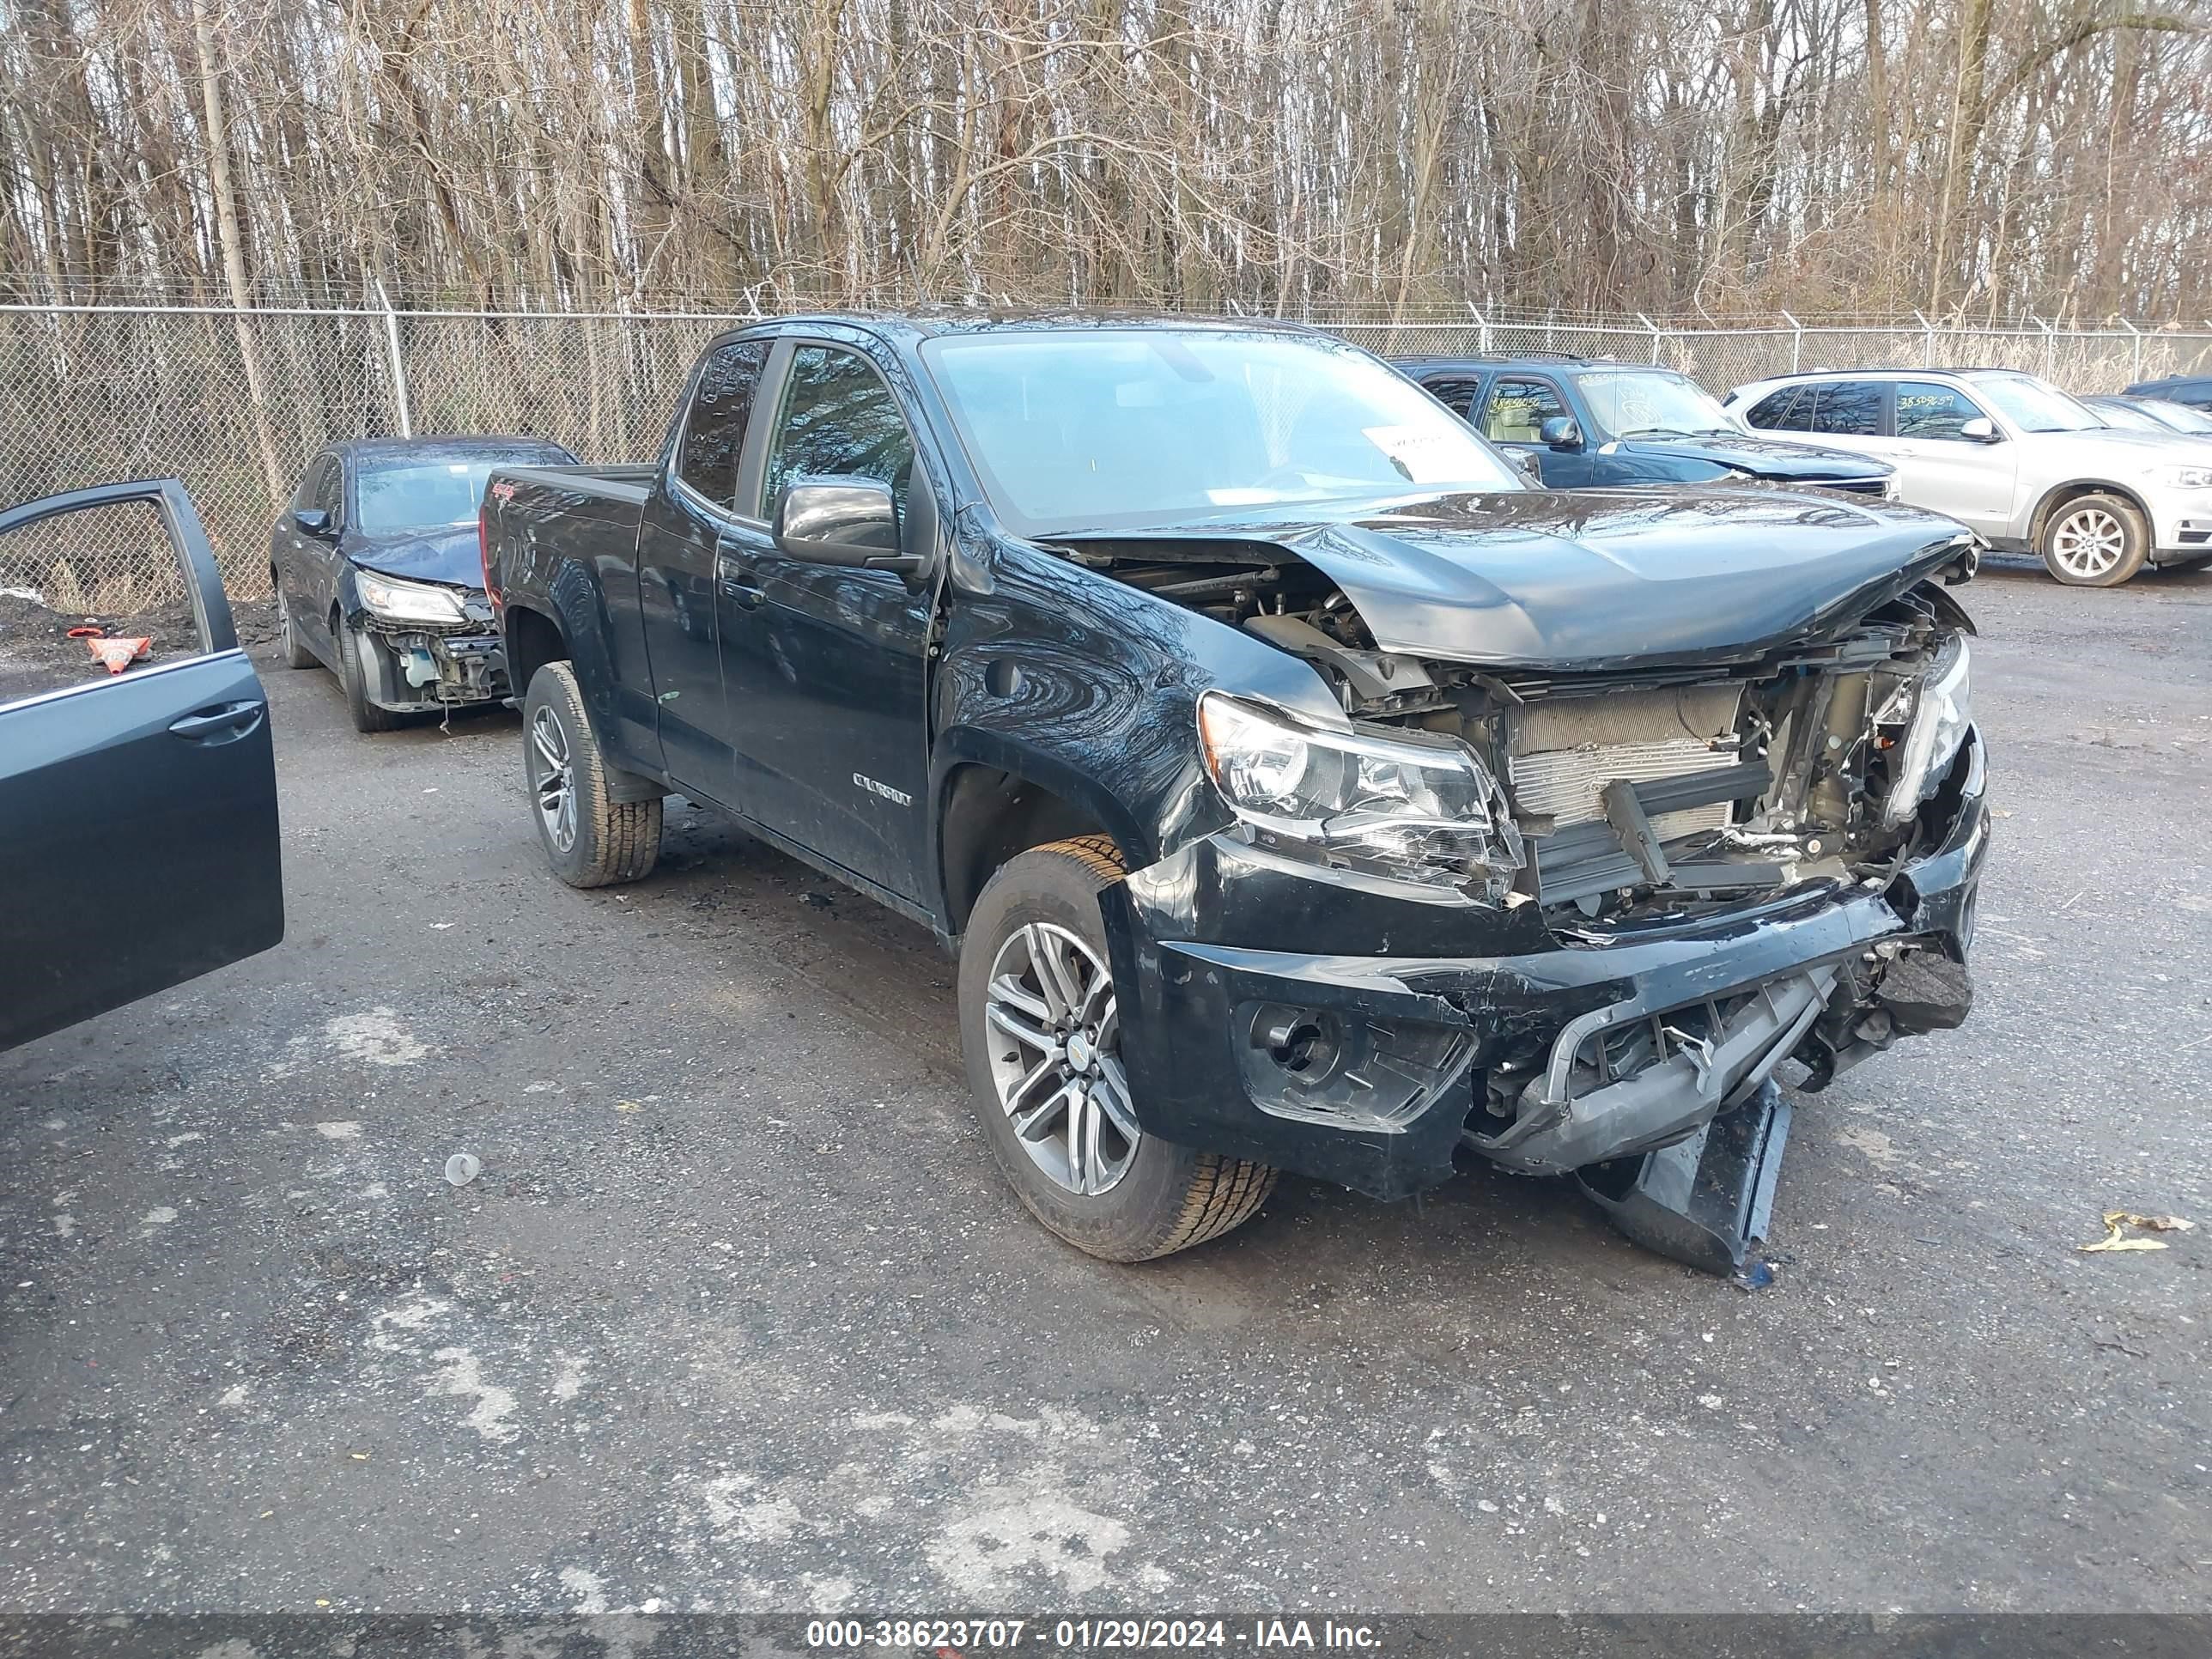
x,y
1513,412
824,665
1938,469
138,827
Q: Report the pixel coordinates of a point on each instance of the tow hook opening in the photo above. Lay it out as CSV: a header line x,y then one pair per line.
x,y
1305,1042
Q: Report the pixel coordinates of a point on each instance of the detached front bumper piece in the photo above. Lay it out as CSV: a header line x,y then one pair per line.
x,y
1405,1032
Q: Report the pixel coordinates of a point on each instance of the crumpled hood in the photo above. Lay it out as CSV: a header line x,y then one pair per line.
x,y
1589,579
449,554
1764,458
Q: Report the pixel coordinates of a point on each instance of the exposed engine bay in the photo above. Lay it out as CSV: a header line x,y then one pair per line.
x,y
1637,794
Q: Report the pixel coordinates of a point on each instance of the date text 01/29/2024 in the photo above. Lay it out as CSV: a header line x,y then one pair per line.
x,y
1108,1634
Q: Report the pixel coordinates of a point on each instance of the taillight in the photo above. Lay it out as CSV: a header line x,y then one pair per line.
x,y
484,552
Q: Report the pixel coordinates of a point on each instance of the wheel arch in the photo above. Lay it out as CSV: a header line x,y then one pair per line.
x,y
992,808
533,639
2073,490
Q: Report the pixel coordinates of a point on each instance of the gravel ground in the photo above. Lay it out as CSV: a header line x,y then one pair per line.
x,y
739,1316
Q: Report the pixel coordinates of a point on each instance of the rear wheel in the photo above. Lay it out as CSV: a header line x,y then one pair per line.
x,y
589,840
1040,1029
295,651
353,674
2095,541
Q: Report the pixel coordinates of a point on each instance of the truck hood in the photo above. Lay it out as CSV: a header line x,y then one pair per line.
x,y
1763,458
1593,580
449,554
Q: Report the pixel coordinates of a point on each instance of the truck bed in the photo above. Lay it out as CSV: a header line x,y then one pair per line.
x,y
580,488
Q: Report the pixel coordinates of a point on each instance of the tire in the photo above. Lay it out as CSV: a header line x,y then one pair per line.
x,y
1127,1196
295,651
606,841
2095,541
353,675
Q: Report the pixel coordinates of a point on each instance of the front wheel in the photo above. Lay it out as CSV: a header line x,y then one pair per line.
x,y
589,840
2095,541
353,675
1040,1029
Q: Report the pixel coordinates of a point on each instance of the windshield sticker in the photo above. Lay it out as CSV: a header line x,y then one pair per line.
x,y
1424,455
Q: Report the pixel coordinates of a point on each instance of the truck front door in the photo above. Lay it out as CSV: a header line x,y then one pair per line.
x,y
823,664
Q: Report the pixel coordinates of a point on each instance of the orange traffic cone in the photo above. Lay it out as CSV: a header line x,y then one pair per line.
x,y
119,654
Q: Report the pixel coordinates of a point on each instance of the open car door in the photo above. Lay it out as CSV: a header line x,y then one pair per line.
x,y
138,814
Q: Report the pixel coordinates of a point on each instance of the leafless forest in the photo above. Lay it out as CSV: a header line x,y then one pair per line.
x,y
1681,157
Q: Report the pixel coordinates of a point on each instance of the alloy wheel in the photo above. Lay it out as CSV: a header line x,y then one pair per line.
x,y
553,779
1055,1058
2088,542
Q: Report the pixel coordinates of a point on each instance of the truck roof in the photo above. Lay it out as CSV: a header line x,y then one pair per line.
x,y
928,323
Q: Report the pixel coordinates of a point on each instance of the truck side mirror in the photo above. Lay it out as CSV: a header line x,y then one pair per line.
x,y
1561,432
1980,430
840,520
1527,461
313,521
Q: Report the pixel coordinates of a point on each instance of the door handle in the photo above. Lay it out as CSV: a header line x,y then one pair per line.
x,y
219,724
744,595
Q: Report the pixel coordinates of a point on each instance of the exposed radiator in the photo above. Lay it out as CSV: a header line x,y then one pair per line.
x,y
1563,752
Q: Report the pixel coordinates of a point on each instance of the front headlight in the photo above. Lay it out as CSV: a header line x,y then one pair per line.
x,y
2186,477
398,601
1413,806
1941,716
1891,490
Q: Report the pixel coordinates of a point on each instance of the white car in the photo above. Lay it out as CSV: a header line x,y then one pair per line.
x,y
2013,458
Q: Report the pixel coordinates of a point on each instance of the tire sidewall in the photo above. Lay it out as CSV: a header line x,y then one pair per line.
x,y
1122,1222
553,689
2134,552
353,675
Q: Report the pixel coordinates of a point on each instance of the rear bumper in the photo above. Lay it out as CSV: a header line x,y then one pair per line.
x,y
1398,1033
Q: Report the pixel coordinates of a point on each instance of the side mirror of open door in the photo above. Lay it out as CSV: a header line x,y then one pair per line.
x,y
1528,462
1981,430
844,521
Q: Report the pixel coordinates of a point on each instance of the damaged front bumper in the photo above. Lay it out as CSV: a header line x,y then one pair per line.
x,y
412,667
1406,1031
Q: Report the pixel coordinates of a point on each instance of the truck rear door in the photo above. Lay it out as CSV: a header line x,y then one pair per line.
x,y
679,570
138,842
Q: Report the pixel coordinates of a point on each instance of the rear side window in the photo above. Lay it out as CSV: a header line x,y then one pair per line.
x,y
1789,409
1928,410
1848,408
1517,411
839,419
1456,393
714,429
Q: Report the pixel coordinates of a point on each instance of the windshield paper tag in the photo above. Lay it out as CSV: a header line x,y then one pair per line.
x,y
1426,456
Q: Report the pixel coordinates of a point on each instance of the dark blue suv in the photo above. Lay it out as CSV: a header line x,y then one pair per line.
x,y
2195,389
1590,423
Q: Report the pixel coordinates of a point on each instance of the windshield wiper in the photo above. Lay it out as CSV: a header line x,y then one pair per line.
x,y
1662,432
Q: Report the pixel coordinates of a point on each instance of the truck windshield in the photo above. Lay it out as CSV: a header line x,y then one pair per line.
x,y
400,495
1641,403
1123,427
2034,406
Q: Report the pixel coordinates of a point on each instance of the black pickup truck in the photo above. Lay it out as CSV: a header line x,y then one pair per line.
x,y
1301,787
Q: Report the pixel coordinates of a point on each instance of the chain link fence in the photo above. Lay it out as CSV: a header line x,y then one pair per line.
x,y
234,403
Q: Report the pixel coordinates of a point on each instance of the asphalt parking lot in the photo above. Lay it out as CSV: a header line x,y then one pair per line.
x,y
738,1316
